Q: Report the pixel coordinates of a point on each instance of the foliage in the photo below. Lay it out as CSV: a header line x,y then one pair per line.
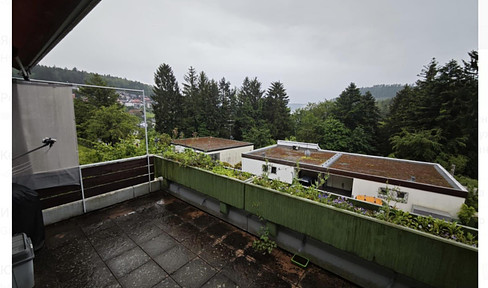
x,y
466,214
276,112
259,136
448,230
167,100
78,76
194,159
265,244
111,124
131,146
423,145
439,112
382,91
98,97
466,181
100,152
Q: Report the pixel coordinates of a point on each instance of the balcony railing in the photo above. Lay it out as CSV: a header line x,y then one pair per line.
x,y
100,178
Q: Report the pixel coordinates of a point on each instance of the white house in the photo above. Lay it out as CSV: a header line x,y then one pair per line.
x,y
419,187
225,150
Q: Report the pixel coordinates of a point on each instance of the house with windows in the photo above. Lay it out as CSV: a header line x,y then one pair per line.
x,y
417,187
225,150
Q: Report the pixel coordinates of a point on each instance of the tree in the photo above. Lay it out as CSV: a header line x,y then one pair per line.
x,y
167,100
90,99
193,105
111,124
276,112
227,109
359,114
444,99
249,103
348,108
422,145
334,135
98,97
259,136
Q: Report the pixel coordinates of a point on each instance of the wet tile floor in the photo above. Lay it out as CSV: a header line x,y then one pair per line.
x,y
160,241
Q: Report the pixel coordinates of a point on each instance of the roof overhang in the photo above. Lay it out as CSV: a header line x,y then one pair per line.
x,y
39,25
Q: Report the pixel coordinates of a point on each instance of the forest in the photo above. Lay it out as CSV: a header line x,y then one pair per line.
x,y
41,72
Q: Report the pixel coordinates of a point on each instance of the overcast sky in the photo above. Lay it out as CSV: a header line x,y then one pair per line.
x,y
316,48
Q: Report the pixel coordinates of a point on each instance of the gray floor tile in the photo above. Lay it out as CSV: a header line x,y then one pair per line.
x,y
127,261
144,232
111,242
167,283
194,274
218,256
99,276
145,276
174,258
242,271
220,281
158,245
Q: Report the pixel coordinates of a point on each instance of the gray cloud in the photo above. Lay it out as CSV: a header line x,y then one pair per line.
x,y
316,48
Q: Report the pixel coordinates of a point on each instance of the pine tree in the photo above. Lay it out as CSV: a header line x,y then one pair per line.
x,y
347,107
227,99
249,103
192,104
98,97
276,112
167,100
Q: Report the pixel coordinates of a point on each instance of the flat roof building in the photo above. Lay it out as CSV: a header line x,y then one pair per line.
x,y
413,186
225,150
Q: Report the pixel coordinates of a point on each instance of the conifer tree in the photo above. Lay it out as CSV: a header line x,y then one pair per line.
x,y
167,100
249,103
276,112
191,102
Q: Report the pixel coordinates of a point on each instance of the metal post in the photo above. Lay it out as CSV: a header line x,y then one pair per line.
x,y
147,142
82,190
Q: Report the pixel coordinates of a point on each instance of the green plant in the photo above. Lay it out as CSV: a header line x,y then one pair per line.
x,y
448,230
264,244
466,213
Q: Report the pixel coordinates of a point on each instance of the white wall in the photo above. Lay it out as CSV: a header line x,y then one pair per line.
x,y
181,149
231,156
447,203
284,173
234,155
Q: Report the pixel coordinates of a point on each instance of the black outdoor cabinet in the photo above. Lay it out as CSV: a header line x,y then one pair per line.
x,y
27,214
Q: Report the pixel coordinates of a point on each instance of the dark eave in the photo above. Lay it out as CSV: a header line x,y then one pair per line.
x,y
39,25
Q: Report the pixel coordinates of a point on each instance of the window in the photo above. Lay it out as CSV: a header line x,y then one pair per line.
x,y
215,156
273,170
265,168
394,193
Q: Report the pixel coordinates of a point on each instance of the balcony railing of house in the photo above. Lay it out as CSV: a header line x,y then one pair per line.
x,y
131,177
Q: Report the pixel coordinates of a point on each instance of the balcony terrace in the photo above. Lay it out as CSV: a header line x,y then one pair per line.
x,y
158,240
181,234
